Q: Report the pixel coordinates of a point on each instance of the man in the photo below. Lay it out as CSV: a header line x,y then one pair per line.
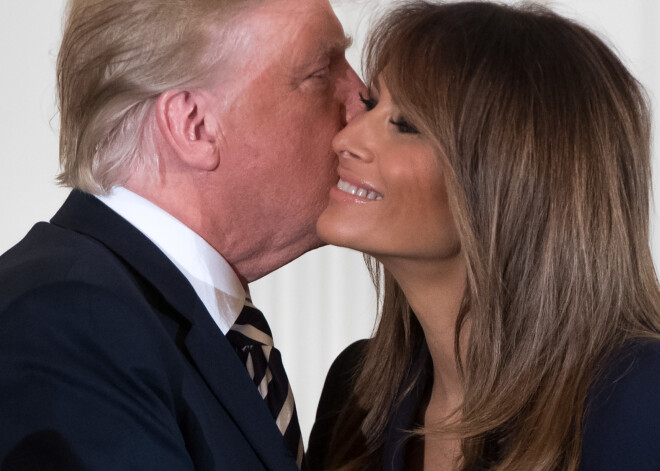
x,y
196,136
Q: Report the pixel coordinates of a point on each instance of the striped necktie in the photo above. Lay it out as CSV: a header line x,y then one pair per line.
x,y
253,341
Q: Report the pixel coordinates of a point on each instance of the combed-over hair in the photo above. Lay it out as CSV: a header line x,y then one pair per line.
x,y
116,58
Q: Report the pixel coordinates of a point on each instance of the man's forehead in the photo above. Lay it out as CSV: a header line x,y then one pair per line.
x,y
275,8
285,16
296,27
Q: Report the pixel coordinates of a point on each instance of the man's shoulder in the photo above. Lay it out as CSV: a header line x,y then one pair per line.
x,y
52,245
60,280
52,255
77,359
73,309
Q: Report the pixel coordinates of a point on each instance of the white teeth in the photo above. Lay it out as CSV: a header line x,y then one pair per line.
x,y
359,192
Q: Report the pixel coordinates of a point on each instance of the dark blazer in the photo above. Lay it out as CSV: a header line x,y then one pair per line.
x,y
110,361
621,426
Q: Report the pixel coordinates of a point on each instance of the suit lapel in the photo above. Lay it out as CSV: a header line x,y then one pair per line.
x,y
235,390
212,354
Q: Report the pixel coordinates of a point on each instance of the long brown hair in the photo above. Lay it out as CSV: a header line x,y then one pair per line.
x,y
546,141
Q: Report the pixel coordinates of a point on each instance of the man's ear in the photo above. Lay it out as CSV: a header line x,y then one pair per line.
x,y
185,122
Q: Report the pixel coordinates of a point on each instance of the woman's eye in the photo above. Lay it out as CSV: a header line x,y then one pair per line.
x,y
404,127
368,102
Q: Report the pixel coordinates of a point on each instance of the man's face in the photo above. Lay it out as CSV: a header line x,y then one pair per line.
x,y
293,92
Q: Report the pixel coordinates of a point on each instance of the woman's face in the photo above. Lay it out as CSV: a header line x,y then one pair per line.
x,y
391,200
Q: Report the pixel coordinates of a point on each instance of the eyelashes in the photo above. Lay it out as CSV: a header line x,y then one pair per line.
x,y
368,102
401,124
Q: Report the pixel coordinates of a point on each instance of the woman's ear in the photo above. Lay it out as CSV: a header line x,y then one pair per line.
x,y
186,124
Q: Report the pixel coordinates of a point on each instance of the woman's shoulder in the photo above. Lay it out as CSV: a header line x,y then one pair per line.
x,y
347,361
622,419
631,375
337,389
341,379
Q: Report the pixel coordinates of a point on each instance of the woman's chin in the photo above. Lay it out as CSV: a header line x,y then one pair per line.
x,y
334,233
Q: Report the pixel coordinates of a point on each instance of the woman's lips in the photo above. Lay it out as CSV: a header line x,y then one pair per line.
x,y
359,191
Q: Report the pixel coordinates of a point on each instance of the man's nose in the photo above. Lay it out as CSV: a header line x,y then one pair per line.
x,y
351,88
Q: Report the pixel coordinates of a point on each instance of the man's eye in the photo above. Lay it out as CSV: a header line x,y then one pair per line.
x,y
404,127
322,74
368,102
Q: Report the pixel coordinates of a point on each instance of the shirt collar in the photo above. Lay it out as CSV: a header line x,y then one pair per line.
x,y
212,278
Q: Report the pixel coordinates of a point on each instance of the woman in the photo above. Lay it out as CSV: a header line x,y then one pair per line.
x,y
501,177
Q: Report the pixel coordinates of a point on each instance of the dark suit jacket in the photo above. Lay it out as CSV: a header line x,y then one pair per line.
x,y
621,426
110,361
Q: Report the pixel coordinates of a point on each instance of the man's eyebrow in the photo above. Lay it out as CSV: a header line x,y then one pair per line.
x,y
345,43
322,54
333,48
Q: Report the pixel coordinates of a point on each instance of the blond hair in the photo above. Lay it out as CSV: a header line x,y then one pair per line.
x,y
116,58
545,137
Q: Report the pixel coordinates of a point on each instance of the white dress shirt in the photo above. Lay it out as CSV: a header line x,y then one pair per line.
x,y
214,281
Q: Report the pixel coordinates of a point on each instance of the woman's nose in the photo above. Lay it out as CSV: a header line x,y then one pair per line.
x,y
352,142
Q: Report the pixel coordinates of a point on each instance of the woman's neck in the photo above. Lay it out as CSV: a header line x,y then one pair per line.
x,y
435,292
